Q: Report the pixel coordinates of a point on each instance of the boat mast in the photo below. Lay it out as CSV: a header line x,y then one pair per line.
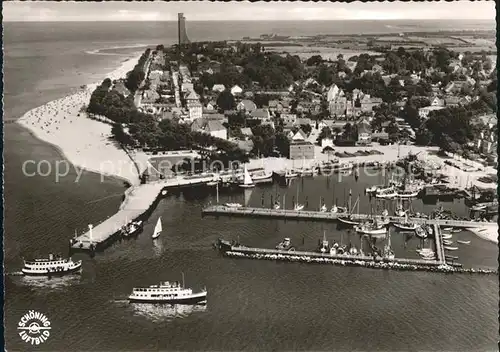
x,y
182,280
350,201
217,189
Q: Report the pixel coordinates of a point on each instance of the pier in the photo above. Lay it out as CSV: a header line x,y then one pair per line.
x,y
306,215
441,258
139,200
365,258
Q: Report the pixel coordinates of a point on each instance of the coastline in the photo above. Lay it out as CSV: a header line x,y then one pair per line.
x,y
83,142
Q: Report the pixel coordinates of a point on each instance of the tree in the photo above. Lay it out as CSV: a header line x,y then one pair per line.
x,y
225,101
314,60
306,128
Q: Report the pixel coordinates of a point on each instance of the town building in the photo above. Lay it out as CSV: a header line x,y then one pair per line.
x,y
195,110
218,88
235,90
424,112
333,92
364,132
246,105
289,118
209,126
300,150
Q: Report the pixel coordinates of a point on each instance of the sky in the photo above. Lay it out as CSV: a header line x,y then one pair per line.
x,y
213,11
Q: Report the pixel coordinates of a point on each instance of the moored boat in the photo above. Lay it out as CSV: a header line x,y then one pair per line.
x,y
51,266
448,248
247,180
132,228
463,242
233,205
420,232
405,226
338,210
298,207
285,245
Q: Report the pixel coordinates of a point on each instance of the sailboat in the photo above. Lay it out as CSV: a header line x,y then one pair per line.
x,y
298,206
347,220
247,180
388,252
405,225
158,229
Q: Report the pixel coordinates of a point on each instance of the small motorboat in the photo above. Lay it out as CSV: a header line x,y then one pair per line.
x,y
405,226
285,245
447,242
463,242
446,236
233,205
448,248
447,228
456,230
338,210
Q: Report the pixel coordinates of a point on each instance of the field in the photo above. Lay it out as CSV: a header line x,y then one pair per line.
x,y
325,52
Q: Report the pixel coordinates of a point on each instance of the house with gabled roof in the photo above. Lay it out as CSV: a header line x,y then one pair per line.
x,y
246,105
211,127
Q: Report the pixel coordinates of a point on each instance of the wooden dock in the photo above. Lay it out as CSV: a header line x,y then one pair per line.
x,y
218,210
439,245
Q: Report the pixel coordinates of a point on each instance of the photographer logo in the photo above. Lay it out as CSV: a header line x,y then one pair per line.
x,y
34,328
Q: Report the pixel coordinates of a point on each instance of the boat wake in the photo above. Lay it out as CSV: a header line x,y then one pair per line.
x,y
166,312
54,283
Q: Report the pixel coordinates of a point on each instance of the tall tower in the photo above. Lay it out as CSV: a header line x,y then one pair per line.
x,y
181,26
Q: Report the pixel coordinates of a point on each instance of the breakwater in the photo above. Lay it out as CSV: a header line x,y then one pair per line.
x,y
384,264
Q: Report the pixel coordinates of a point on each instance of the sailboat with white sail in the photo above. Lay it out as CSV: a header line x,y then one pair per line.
x,y
247,179
158,229
298,206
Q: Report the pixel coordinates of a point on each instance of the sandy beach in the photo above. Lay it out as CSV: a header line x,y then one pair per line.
x,y
85,143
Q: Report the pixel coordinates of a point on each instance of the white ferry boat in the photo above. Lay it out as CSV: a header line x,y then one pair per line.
x,y
51,266
167,292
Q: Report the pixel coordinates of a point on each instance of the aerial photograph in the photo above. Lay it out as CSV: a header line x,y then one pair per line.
x,y
250,176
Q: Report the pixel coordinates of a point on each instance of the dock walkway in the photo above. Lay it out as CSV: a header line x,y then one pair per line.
x,y
138,200
329,216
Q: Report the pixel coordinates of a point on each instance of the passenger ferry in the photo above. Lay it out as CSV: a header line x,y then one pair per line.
x,y
51,266
167,292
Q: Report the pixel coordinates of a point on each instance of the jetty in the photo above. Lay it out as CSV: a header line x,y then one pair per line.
x,y
387,264
139,201
218,210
